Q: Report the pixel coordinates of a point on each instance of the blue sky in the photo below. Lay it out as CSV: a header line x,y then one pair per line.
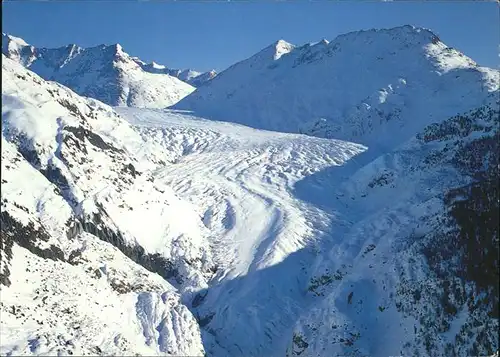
x,y
205,35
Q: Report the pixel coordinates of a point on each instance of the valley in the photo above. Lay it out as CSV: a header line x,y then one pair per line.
x,y
357,227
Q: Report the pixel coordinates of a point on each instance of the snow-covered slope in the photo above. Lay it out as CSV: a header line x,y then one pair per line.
x,y
103,72
416,273
89,240
360,86
202,78
319,256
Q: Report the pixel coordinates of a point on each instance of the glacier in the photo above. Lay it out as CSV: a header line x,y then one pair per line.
x,y
308,201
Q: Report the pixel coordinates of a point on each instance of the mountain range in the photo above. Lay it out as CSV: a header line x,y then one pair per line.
x,y
106,73
334,199
349,88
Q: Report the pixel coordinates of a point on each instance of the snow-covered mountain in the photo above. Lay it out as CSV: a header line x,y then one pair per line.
x,y
357,87
190,76
416,273
89,240
103,72
157,232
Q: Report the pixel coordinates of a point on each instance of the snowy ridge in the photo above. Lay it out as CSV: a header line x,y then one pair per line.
x,y
358,87
202,78
189,76
103,72
18,49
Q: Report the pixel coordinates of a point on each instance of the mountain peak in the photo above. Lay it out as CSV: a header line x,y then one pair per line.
x,y
156,65
407,33
17,49
272,52
116,49
17,40
341,83
106,66
281,48
282,42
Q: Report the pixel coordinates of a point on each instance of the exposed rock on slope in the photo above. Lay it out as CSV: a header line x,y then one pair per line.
x,y
426,272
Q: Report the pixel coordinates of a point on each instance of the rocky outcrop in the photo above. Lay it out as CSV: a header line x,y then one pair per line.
x,y
462,249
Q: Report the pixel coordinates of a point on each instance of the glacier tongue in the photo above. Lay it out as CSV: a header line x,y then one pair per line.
x,y
262,237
